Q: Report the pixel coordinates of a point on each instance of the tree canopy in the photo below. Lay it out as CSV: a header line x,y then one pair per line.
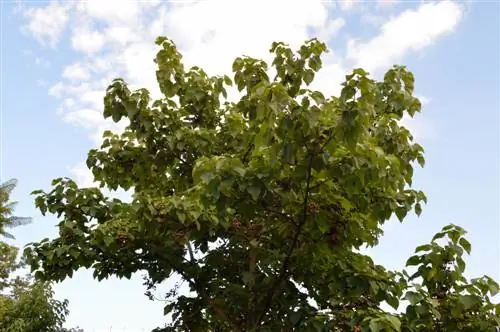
x,y
262,205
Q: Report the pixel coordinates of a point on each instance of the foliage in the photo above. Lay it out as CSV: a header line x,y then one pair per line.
x,y
25,306
7,219
444,300
262,205
30,307
73,329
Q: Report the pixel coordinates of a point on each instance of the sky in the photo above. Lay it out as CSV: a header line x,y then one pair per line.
x,y
57,59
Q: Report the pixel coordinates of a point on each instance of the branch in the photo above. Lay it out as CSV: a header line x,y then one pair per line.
x,y
247,153
191,254
286,261
193,282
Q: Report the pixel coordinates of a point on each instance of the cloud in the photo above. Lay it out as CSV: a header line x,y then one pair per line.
x,y
387,3
83,177
372,19
46,24
86,40
412,30
76,71
347,4
115,39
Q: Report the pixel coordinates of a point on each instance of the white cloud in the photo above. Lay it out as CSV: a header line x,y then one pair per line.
x,y
86,40
94,99
331,29
387,3
110,10
86,118
56,90
117,39
116,47
122,35
372,19
347,4
76,71
410,31
121,45
83,176
420,128
69,102
47,23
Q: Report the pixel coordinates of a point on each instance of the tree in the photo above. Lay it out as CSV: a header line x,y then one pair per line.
x,y
261,205
25,306
7,219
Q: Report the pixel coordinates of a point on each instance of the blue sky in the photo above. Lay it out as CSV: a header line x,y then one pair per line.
x,y
58,57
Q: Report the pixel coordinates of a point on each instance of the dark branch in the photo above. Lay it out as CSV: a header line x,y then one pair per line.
x,y
286,262
193,282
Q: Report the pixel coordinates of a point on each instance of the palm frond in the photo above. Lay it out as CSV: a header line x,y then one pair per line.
x,y
8,186
7,235
7,209
7,220
17,221
10,206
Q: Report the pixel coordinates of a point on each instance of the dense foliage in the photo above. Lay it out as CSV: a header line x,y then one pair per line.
x,y
262,205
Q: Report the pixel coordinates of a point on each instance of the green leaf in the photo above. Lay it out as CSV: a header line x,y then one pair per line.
x,y
461,265
465,244
493,286
418,209
376,325
254,192
393,302
438,236
432,273
424,247
421,160
413,260
248,277
295,317
468,301
401,213
413,297
308,76
394,321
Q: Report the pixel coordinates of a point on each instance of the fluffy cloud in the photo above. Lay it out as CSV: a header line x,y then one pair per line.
x,y
86,40
76,71
47,23
116,39
411,30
